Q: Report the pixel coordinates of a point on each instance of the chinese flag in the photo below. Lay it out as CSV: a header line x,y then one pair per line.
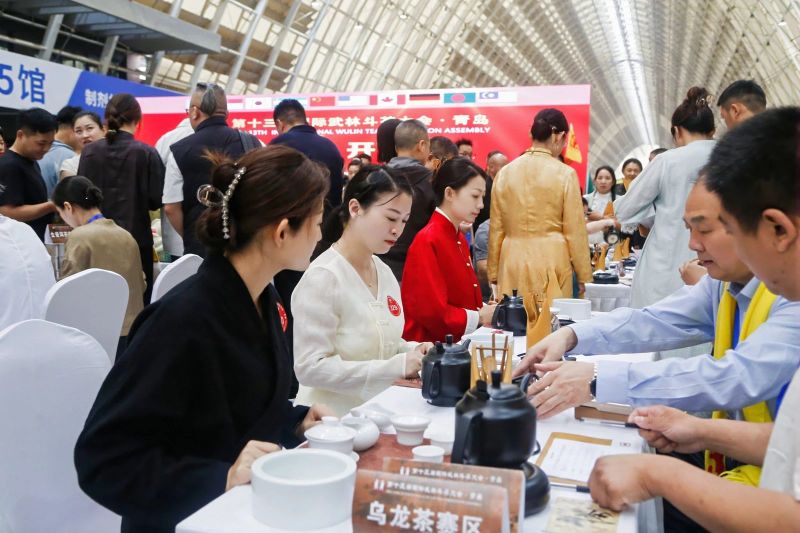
x,y
573,152
323,100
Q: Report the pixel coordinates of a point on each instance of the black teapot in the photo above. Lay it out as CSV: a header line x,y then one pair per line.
x,y
446,372
510,315
496,427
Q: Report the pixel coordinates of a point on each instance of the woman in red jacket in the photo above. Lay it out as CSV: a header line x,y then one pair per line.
x,y
440,288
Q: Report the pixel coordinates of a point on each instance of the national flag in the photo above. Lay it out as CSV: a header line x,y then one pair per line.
x,y
322,101
573,152
497,97
302,99
260,102
424,97
352,100
459,98
388,99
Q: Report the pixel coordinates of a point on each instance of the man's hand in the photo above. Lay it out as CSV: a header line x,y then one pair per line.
x,y
551,348
691,272
565,385
312,418
618,481
669,430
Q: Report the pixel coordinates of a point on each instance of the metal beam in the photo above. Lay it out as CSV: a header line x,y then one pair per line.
x,y
64,10
50,36
266,74
174,11
362,39
113,26
311,36
410,22
176,34
233,75
108,53
200,60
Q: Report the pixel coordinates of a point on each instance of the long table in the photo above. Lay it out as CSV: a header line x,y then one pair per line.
x,y
231,512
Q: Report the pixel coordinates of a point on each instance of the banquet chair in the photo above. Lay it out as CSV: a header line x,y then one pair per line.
x,y
174,273
93,301
49,377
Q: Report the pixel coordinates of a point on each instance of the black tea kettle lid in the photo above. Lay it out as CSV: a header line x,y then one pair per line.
x,y
499,391
449,349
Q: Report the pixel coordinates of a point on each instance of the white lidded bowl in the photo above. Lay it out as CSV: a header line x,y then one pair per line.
x,y
575,308
410,428
331,435
367,432
303,489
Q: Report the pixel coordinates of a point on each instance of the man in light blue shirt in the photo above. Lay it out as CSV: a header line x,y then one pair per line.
x,y
62,149
756,370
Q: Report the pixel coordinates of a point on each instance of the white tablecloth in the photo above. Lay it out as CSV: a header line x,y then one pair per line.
x,y
231,513
608,297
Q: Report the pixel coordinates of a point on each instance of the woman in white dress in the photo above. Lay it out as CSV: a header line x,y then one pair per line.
x,y
599,198
88,128
348,314
657,197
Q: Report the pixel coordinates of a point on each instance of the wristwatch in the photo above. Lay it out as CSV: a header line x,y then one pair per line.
x,y
593,384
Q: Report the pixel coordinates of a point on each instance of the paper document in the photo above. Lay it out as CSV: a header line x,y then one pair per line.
x,y
572,457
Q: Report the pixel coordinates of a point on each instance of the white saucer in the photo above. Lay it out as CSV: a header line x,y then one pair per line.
x,y
355,456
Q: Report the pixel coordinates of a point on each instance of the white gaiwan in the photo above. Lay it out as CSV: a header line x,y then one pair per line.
x,y
331,435
303,489
380,419
367,432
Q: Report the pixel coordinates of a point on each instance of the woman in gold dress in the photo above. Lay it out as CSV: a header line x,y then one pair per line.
x,y
538,234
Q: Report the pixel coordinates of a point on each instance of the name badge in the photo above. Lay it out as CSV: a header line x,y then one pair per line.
x,y
394,307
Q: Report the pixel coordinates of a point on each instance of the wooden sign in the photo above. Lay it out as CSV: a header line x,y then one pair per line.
x,y
393,502
57,233
513,481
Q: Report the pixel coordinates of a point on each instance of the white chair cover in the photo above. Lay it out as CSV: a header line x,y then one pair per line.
x,y
93,301
174,273
49,377
608,297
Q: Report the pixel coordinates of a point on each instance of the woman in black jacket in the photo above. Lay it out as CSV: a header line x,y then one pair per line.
x,y
130,175
203,388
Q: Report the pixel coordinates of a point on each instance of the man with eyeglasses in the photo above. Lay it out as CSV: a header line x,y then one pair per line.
x,y
188,169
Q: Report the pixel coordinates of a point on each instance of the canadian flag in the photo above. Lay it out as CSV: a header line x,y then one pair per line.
x,y
389,100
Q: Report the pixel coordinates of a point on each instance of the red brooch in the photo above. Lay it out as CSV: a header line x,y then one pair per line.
x,y
284,318
394,307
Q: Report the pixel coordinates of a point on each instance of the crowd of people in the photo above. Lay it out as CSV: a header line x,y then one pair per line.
x,y
324,281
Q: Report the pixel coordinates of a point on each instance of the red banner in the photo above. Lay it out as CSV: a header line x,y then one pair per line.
x,y
493,119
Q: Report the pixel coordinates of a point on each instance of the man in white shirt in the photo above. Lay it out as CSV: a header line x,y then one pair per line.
x,y
173,243
27,273
753,171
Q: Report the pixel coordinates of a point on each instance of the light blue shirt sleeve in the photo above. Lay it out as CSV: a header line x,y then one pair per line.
x,y
755,371
686,318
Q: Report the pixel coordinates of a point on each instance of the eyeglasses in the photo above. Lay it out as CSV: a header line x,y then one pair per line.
x,y
204,86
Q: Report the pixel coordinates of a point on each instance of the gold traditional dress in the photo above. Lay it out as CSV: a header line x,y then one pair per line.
x,y
538,232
